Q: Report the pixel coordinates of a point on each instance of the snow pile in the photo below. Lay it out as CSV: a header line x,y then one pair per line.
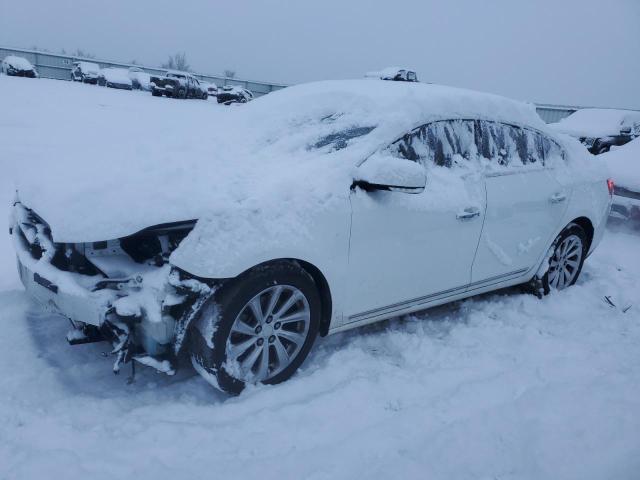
x,y
598,122
19,63
624,164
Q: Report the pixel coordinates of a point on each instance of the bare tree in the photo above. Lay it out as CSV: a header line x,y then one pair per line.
x,y
229,73
177,62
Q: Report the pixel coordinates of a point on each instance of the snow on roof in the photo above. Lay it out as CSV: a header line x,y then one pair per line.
x,y
18,62
119,75
596,122
624,164
89,67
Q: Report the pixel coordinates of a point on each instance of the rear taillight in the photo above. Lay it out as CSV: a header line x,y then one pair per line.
x,y
610,186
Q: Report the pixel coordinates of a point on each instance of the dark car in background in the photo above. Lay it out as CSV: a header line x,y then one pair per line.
x,y
177,84
234,94
85,72
599,129
18,67
396,74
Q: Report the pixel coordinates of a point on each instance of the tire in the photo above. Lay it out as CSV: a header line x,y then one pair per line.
x,y
205,96
227,322
156,93
182,93
573,240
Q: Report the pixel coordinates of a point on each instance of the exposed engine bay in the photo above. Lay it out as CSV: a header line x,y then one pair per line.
x,y
123,290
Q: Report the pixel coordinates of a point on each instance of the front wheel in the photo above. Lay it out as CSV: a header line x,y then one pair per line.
x,y
565,264
258,328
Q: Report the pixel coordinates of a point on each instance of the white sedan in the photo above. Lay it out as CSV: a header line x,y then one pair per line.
x,y
316,209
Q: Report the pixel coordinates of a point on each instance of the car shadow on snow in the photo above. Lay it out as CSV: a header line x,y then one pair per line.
x,y
87,369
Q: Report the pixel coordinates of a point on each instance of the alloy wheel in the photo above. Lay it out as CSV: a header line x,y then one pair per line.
x,y
565,263
268,334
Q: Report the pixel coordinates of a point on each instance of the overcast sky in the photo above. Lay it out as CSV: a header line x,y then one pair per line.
x,y
584,52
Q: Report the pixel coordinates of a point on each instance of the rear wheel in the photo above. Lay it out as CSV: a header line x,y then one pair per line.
x,y
258,328
565,264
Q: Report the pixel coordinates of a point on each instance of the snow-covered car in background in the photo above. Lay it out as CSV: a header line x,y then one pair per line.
x,y
313,210
115,78
140,80
86,72
624,165
18,67
234,94
212,88
599,129
177,84
395,74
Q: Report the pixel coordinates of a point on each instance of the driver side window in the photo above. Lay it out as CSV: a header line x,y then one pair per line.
x,y
442,143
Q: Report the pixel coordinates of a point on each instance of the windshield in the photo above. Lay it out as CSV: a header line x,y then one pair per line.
x,y
175,75
340,140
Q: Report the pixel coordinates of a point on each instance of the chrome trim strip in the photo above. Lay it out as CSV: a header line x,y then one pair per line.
x,y
396,307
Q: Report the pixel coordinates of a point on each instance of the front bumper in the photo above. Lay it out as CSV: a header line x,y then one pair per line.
x,y
71,294
153,302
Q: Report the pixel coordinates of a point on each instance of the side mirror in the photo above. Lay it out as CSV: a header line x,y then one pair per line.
x,y
386,172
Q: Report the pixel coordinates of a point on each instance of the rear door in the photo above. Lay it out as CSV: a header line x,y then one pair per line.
x,y
525,201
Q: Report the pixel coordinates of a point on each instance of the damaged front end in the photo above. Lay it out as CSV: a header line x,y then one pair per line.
x,y
123,291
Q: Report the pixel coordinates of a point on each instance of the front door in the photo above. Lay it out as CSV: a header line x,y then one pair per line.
x,y
407,250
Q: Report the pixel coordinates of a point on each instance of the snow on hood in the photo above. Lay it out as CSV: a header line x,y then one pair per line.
x,y
597,122
116,75
110,165
624,164
19,63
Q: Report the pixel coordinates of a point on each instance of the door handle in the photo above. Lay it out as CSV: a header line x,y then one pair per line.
x,y
468,213
558,197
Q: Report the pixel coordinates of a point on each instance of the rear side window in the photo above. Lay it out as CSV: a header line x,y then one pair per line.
x,y
445,143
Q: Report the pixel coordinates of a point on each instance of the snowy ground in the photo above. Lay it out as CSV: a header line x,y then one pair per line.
x,y
503,386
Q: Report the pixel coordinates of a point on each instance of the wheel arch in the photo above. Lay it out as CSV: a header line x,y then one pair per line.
x,y
326,299
588,228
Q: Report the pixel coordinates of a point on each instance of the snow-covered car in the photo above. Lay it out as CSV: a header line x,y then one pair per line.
x,y
624,165
86,72
315,209
212,88
177,84
233,94
115,78
395,74
601,128
18,67
140,80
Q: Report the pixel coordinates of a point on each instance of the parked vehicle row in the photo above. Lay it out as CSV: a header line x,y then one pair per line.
x,y
173,84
